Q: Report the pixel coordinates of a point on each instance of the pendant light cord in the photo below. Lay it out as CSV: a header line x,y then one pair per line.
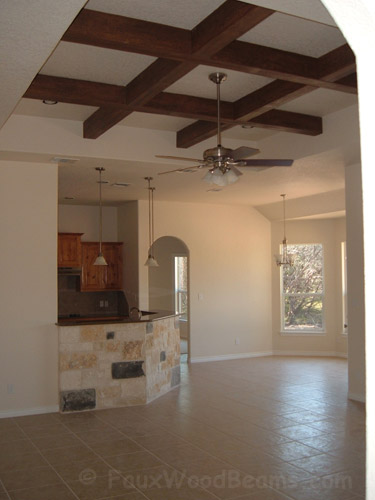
x,y
100,209
152,221
283,195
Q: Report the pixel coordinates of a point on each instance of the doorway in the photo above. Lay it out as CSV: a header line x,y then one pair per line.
x,y
169,285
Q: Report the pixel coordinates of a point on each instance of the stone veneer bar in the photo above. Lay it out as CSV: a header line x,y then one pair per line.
x,y
117,364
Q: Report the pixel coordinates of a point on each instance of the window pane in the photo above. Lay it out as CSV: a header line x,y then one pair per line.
x,y
303,313
306,274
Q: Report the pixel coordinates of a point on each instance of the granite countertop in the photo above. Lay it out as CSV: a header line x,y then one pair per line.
x,y
93,319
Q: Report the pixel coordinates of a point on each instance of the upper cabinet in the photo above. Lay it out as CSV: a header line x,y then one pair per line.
x,y
99,278
69,250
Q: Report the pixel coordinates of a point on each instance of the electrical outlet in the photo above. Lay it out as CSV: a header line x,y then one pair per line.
x,y
10,389
237,341
200,296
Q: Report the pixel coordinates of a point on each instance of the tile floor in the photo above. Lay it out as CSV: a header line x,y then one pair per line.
x,y
267,428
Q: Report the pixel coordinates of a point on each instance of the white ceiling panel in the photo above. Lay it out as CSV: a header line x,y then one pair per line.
x,y
237,85
156,122
321,102
179,13
85,62
33,107
285,32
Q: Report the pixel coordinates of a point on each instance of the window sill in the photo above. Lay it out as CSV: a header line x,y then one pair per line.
x,y
301,333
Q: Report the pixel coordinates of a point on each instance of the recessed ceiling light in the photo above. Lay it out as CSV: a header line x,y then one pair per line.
x,y
213,190
49,102
68,198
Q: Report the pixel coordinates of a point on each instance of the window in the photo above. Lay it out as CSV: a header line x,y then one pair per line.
x,y
180,286
302,290
344,285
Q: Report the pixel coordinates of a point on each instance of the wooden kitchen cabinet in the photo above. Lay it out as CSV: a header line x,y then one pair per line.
x,y
99,278
69,250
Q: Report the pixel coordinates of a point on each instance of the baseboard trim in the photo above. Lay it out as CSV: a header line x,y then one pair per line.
x,y
330,354
224,357
28,411
357,397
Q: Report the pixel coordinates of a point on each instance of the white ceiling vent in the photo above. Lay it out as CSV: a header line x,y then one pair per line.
x,y
120,184
61,159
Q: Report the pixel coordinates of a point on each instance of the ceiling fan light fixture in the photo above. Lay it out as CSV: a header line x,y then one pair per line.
x,y
216,176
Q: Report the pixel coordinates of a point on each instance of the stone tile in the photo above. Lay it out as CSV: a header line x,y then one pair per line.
x,y
29,478
115,447
64,455
58,441
179,494
11,434
21,461
112,485
323,464
83,470
55,492
292,451
133,461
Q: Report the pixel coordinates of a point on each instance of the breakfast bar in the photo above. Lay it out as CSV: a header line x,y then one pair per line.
x,y
117,361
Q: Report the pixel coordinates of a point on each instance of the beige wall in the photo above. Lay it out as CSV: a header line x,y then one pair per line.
x,y
230,268
356,305
161,279
128,233
329,232
28,335
85,219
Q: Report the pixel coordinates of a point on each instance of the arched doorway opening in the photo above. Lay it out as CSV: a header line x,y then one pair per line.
x,y
169,284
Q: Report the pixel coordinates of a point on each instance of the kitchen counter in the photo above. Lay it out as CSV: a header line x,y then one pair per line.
x,y
113,361
101,319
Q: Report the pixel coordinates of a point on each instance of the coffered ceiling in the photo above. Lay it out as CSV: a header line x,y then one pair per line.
x,y
145,65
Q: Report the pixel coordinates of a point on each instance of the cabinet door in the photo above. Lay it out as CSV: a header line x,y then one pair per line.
x,y
113,272
91,276
69,250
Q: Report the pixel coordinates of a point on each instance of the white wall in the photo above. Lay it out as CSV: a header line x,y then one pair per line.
x,y
28,335
85,219
229,265
329,232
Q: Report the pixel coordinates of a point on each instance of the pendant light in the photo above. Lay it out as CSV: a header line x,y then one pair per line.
x,y
284,259
100,260
151,261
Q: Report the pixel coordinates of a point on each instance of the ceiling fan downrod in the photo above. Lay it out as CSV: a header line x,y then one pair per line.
x,y
217,78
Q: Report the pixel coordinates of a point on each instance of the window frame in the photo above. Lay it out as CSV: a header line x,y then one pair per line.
x,y
302,332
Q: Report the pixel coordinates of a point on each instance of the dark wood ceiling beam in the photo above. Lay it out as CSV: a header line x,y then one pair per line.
x,y
202,45
130,35
289,66
198,108
234,19
335,65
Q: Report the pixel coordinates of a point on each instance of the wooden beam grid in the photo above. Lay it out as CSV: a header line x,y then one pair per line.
x,y
179,51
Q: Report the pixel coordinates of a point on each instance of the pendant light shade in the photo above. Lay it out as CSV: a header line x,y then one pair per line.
x,y
100,260
151,261
222,178
284,259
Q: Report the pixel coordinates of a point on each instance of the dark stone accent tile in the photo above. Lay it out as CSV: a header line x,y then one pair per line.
x,y
149,327
163,356
79,400
110,335
176,376
127,369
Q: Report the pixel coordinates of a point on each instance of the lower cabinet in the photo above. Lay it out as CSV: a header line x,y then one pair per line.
x,y
98,278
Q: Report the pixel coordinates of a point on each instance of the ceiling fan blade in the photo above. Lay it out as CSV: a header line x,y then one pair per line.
x,y
178,158
244,152
181,169
263,163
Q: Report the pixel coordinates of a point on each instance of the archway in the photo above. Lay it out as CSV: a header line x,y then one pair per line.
x,y
169,284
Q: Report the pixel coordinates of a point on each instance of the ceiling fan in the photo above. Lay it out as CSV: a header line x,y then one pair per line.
x,y
223,162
